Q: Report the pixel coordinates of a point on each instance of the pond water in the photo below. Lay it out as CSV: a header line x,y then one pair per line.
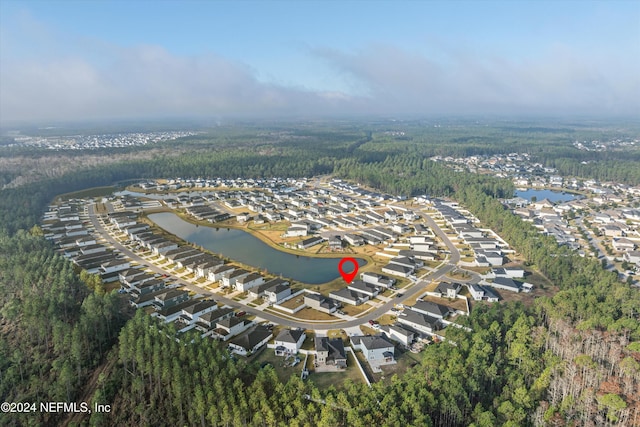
x,y
243,247
551,195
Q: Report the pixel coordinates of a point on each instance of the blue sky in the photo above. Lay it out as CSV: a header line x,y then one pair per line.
x,y
74,60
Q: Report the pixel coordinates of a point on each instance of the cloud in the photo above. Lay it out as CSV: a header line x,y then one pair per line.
x,y
462,82
79,78
146,81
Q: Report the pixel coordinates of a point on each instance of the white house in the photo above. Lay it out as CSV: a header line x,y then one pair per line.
x,y
249,281
289,341
377,279
278,292
375,348
398,333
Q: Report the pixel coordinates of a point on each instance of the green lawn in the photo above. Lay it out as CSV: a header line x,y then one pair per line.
x,y
284,372
326,379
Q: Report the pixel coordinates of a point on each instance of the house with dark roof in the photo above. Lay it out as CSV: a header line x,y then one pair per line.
x,y
448,290
506,284
229,327
249,281
353,239
432,309
349,296
312,241
289,341
397,270
419,322
320,302
330,352
399,334
199,308
364,288
278,292
259,291
250,342
171,297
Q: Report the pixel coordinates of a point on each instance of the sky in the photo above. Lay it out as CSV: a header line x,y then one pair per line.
x,y
103,60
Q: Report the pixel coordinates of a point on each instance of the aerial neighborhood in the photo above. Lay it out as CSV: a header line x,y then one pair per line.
x,y
429,261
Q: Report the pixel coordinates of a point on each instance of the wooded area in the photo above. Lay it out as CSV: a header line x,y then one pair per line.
x,y
573,358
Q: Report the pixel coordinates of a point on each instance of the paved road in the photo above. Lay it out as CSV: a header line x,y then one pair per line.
x,y
593,241
379,311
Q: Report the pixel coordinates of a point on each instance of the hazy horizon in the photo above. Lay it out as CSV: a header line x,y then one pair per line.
x,y
109,61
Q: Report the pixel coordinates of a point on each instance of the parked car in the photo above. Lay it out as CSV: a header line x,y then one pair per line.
x,y
241,313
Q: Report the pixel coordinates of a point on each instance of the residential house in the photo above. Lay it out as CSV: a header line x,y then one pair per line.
x,y
278,292
632,257
506,284
375,349
448,290
623,244
312,241
229,327
330,352
377,279
250,342
348,296
399,334
432,309
320,302
217,273
249,281
354,239
230,279
364,288
397,270
170,298
419,321
479,293
289,341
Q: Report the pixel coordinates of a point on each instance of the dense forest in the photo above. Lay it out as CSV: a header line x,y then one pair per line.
x,y
570,359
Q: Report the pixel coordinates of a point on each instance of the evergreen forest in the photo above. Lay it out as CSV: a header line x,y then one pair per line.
x,y
569,359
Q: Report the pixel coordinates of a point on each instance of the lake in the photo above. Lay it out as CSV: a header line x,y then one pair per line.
x,y
247,249
551,195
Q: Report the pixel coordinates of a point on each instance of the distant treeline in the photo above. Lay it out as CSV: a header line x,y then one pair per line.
x,y
569,358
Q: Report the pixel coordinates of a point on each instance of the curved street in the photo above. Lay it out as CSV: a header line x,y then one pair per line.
x,y
407,293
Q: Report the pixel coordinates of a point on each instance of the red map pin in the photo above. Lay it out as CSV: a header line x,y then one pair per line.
x,y
348,277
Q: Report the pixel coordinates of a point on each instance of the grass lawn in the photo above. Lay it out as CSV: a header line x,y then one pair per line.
x,y
309,341
458,275
431,287
335,333
293,303
387,319
309,313
431,264
355,310
366,330
282,368
326,379
458,304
